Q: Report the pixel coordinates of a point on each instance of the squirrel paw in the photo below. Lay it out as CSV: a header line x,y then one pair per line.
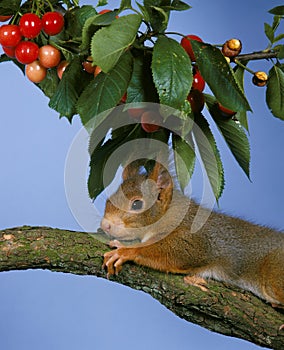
x,y
197,282
114,259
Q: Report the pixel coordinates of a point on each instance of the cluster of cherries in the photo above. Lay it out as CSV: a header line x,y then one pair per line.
x,y
16,42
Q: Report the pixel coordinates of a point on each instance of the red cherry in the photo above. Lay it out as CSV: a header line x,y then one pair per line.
x,y
88,65
49,56
9,51
10,35
61,68
198,82
186,44
35,72
226,112
196,100
150,121
52,23
5,18
30,25
26,52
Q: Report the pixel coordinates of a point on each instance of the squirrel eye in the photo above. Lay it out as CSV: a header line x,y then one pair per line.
x,y
137,204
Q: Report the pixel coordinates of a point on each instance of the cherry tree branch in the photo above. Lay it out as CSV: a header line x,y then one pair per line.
x,y
222,309
261,55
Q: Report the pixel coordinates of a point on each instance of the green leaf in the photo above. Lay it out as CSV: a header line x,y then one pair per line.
x,y
125,4
141,87
209,154
76,18
160,18
239,75
275,92
177,5
233,134
50,83
184,158
172,72
269,32
280,52
144,11
105,91
278,11
109,43
94,23
102,2
219,76
73,81
9,7
158,14
276,22
100,154
278,38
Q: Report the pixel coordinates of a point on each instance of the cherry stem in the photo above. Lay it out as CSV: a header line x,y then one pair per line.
x,y
243,66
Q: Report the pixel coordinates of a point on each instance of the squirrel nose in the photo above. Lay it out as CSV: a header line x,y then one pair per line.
x,y
105,225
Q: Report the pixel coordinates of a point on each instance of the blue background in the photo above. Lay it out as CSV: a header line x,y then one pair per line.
x,y
44,310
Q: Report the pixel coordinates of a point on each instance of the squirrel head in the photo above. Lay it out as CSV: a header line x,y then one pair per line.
x,y
140,201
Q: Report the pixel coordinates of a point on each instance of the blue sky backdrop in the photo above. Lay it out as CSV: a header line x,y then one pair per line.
x,y
50,311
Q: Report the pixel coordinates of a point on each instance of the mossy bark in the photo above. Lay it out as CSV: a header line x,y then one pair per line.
x,y
222,309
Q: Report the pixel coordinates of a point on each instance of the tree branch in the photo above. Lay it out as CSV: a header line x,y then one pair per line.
x,y
261,55
222,309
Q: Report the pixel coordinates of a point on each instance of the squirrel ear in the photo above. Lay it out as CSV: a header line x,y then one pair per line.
x,y
161,176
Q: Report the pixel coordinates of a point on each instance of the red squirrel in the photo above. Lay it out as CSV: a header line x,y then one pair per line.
x,y
148,207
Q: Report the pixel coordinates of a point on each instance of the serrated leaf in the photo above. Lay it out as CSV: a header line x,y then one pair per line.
x,y
73,81
141,86
105,91
109,43
239,75
50,83
210,155
219,76
172,72
9,7
269,32
278,11
76,18
233,133
177,5
98,180
94,23
99,157
184,158
275,92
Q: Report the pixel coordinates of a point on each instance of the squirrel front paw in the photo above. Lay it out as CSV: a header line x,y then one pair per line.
x,y
114,259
